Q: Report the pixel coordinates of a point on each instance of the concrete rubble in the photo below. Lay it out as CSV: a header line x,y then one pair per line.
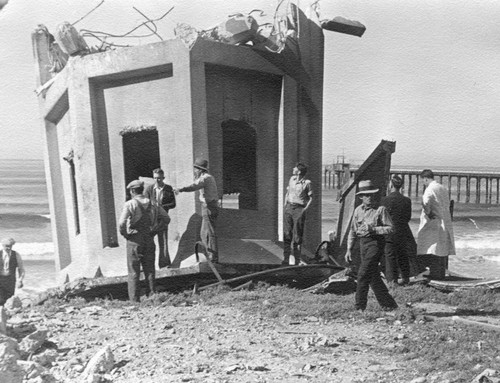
x,y
28,355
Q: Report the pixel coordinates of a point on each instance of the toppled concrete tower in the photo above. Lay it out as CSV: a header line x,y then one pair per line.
x,y
253,113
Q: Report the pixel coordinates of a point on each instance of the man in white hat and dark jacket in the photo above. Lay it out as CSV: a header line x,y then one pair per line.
x,y
370,224
209,199
137,221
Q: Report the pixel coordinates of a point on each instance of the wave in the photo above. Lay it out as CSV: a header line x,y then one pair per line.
x,y
35,248
483,243
492,258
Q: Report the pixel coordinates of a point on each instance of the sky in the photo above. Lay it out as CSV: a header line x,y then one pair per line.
x,y
425,74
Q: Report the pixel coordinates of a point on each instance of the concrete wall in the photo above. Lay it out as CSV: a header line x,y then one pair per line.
x,y
253,97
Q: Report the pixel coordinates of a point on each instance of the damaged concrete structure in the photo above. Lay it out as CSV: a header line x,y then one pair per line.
x,y
113,116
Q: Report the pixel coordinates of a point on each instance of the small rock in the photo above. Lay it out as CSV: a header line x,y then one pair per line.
x,y
14,303
31,369
421,379
92,310
401,336
257,368
10,371
397,323
312,319
32,342
233,368
485,374
46,358
451,376
102,362
78,367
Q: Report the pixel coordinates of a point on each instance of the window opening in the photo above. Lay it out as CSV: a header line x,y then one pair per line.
x,y
239,165
141,152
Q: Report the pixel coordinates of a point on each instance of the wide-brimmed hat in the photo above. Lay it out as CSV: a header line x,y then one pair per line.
x,y
135,184
201,164
366,187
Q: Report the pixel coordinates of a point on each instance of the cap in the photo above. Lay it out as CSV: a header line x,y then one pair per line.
x,y
135,184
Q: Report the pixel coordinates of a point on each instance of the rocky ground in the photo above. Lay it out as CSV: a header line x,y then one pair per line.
x,y
193,341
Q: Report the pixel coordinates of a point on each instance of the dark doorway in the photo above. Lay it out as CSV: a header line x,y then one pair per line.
x,y
141,154
239,165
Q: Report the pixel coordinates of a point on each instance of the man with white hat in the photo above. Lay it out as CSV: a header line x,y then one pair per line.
x,y
370,224
209,199
137,222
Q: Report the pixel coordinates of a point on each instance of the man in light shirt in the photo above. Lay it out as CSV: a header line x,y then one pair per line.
x,y
10,261
209,199
370,224
163,195
298,198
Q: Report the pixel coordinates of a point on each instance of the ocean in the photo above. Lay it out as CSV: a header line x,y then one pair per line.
x,y
25,216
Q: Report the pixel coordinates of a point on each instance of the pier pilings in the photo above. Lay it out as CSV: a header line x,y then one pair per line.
x,y
470,187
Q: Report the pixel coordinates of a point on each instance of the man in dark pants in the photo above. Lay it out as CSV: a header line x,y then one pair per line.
x,y
209,198
136,222
370,224
298,198
163,195
397,245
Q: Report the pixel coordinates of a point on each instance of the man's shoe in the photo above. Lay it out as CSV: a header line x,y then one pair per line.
x,y
359,308
389,308
285,263
404,282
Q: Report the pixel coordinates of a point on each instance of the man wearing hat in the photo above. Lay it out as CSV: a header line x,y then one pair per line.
x,y
400,241
209,199
435,234
10,260
370,224
137,222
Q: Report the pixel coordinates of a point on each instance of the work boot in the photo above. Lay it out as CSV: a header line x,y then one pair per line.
x,y
286,261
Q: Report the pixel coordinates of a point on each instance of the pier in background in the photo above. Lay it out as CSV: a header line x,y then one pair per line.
x,y
471,187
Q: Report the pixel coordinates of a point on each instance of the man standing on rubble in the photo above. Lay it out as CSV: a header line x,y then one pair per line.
x,y
137,224
298,198
370,224
162,194
209,199
400,241
435,235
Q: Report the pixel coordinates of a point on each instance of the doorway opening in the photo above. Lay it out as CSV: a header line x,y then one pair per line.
x,y
239,165
141,153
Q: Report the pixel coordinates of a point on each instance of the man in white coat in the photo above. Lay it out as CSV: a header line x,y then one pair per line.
x,y
435,234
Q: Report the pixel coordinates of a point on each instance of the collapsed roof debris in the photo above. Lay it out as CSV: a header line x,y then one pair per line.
x,y
255,29
342,25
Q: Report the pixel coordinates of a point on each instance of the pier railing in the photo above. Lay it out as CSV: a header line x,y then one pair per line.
x,y
472,187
